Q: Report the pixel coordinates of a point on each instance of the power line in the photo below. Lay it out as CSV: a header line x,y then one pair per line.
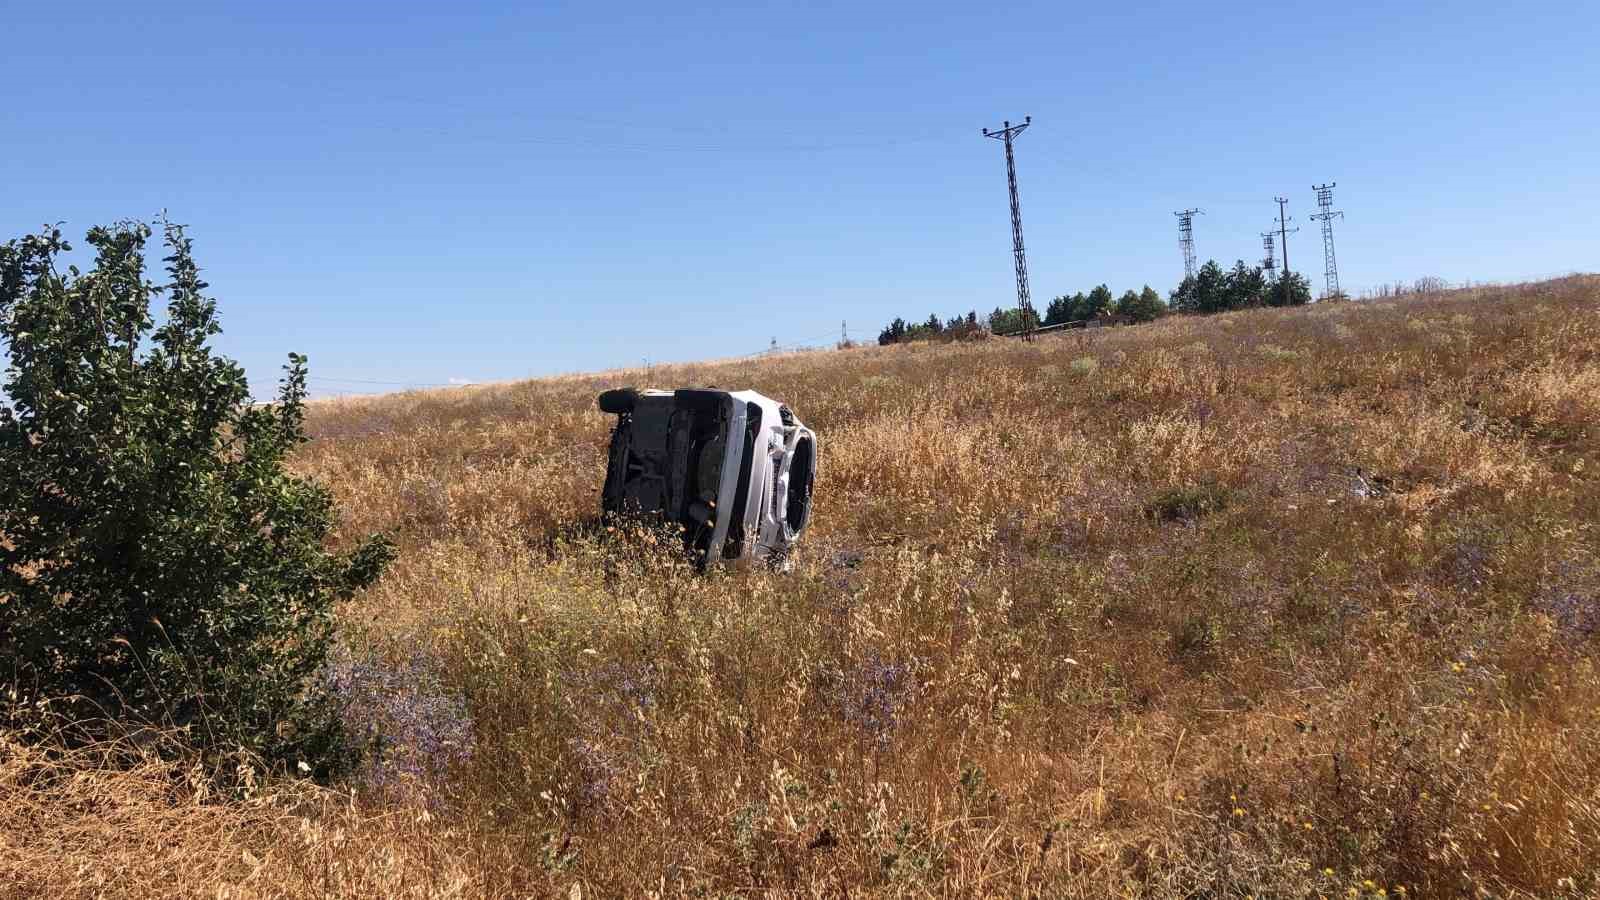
x,y
1186,238
385,383
811,342
558,127
687,146
1007,133
1330,268
802,137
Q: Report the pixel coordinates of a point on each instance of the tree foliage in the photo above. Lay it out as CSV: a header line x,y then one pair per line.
x,y
1211,289
1291,290
957,327
1010,320
1098,302
1066,308
1144,306
1058,311
1244,286
158,563
1080,307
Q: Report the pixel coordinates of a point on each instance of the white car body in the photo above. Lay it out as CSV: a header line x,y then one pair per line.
x,y
690,456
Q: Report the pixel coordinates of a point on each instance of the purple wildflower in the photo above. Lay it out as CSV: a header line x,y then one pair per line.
x,y
1571,598
1576,615
597,771
613,705
415,730
875,696
1470,563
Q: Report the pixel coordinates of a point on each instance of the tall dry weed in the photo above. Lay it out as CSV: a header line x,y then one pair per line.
x,y
1273,603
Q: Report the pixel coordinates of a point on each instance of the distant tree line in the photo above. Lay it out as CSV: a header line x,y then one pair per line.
x,y
957,328
1132,306
1212,290
1209,290
1428,285
1012,320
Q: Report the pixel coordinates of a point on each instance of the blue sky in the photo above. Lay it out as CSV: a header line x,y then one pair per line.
x,y
419,193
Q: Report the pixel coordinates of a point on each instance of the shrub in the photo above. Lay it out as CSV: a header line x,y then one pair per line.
x,y
1186,504
1144,306
159,564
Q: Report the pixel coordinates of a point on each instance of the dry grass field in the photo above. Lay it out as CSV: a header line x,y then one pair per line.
x,y
1298,603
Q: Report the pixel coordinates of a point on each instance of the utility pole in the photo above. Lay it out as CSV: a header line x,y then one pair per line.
x,y
1007,133
1283,234
844,333
1330,268
1186,238
1269,261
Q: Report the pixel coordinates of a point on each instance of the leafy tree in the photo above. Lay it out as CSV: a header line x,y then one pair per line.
x,y
1245,286
1288,290
1098,301
1149,306
1058,311
894,333
962,327
1185,297
1141,306
933,325
1011,321
159,563
1210,288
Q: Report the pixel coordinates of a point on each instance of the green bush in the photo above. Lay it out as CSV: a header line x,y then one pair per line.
x,y
158,563
1187,503
1143,306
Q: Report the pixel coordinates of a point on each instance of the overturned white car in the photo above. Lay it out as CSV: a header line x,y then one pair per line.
x,y
733,468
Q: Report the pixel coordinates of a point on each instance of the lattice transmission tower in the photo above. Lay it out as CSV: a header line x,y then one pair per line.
x,y
1007,134
1330,267
1186,238
1269,254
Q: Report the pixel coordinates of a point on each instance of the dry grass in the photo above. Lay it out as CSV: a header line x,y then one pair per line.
x,y
1273,603
117,821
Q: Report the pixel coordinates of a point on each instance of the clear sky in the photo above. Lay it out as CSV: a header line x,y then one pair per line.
x,y
421,193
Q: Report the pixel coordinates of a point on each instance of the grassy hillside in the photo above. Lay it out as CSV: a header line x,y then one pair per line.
x,y
1284,603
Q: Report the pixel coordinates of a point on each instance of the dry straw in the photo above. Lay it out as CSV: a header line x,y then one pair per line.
x,y
1286,603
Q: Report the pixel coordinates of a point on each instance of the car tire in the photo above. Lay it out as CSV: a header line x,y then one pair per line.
x,y
619,401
